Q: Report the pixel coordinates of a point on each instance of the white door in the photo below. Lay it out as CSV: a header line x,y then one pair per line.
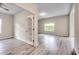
x,y
30,29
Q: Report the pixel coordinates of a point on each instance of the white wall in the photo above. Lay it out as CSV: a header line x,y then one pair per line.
x,y
61,25
21,27
72,22
77,28
34,10
71,26
7,26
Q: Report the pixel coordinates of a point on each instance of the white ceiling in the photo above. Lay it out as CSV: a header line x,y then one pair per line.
x,y
13,9
54,9
51,9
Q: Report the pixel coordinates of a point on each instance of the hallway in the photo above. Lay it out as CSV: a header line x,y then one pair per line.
x,y
48,45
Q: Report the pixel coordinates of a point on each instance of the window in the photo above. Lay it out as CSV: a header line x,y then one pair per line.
x,y
0,25
49,27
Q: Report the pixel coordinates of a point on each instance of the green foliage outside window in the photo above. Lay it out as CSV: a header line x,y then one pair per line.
x,y
50,27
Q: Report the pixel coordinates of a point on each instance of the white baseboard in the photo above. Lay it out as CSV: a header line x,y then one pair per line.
x,y
26,41
6,38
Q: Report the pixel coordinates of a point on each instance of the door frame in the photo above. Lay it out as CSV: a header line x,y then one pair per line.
x,y
33,9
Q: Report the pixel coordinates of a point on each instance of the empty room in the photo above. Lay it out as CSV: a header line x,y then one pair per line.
x,y
56,27
16,24
37,29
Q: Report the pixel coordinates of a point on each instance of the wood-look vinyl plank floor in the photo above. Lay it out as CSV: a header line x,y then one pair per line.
x,y
48,45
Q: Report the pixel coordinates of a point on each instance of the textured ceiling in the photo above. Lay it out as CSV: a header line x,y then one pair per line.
x,y
51,9
54,9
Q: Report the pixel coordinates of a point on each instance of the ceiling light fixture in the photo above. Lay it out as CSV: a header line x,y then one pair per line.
x,y
42,14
